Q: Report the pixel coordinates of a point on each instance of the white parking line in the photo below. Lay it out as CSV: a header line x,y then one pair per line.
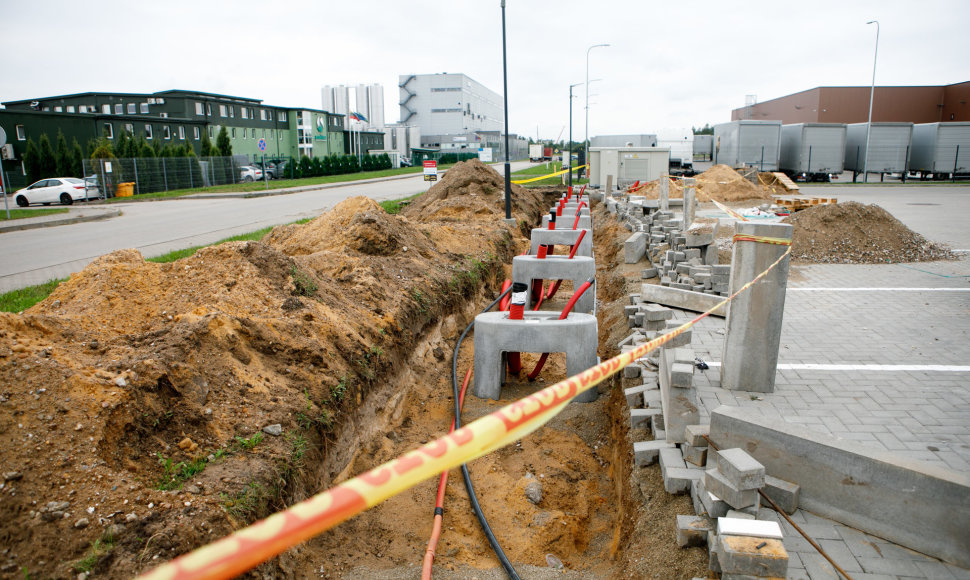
x,y
848,367
879,289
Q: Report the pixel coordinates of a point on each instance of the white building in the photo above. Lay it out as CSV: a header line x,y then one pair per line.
x,y
368,100
448,105
401,138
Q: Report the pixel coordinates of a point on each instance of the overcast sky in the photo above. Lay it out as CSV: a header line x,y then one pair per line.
x,y
670,64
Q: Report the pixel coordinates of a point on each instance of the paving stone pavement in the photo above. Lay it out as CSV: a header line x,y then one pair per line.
x,y
914,318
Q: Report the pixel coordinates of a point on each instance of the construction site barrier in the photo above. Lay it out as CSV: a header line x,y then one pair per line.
x,y
540,178
262,540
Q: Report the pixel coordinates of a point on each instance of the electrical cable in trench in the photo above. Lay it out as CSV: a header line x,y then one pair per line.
x,y
472,497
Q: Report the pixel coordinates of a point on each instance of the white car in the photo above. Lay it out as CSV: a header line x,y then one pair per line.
x,y
63,190
250,173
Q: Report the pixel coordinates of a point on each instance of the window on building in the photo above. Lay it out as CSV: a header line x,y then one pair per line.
x,y
131,108
210,132
196,134
243,132
269,115
244,112
106,109
21,134
254,132
148,131
144,108
70,109
119,109
233,132
262,114
279,135
181,132
166,132
130,128
232,111
198,109
58,109
264,133
282,116
223,111
208,109
109,131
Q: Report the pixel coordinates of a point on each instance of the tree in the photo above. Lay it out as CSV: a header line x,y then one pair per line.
x,y
101,148
32,161
306,167
705,130
223,144
77,159
48,160
207,149
62,158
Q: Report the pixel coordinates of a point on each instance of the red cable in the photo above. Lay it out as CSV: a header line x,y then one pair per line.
x,y
504,303
440,502
572,252
565,312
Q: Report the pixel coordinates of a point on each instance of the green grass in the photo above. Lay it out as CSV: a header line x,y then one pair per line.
x,y
393,206
186,252
19,214
20,300
541,169
99,548
178,473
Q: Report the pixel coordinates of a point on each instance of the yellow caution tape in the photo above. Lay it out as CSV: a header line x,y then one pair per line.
x,y
540,178
762,239
729,211
259,542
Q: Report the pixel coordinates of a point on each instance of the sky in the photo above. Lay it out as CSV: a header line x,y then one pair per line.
x,y
669,64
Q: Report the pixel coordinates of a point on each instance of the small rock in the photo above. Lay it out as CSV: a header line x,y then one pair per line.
x,y
82,523
193,489
131,517
188,445
58,506
438,354
83,576
12,475
114,530
78,427
93,345
533,491
121,382
275,430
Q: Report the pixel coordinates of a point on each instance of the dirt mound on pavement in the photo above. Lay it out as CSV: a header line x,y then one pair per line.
x,y
471,190
854,233
720,183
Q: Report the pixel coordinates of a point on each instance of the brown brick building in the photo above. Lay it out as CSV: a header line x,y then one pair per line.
x,y
851,105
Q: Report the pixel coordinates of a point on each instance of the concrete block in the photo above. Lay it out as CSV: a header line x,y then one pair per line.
x,y
679,404
683,339
713,505
634,248
692,530
717,484
683,299
740,469
692,240
671,457
695,497
677,480
681,375
655,312
728,526
634,395
659,435
647,452
652,399
739,515
654,325
695,435
753,556
873,491
713,547
562,239
694,455
722,270
526,269
711,255
783,493
640,418
692,253
648,273
632,371
657,422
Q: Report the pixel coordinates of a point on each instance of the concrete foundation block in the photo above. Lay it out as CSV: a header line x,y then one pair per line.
x,y
742,555
740,469
562,239
677,480
566,222
694,455
526,269
717,484
647,452
634,248
693,530
695,435
495,335
640,418
783,493
681,375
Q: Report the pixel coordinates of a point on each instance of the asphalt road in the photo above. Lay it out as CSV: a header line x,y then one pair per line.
x,y
35,256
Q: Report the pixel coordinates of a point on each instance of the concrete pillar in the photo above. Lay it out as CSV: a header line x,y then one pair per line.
x,y
750,357
664,192
690,200
609,185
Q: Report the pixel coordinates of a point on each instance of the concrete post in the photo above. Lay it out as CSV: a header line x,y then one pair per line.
x,y
690,200
664,192
750,358
609,185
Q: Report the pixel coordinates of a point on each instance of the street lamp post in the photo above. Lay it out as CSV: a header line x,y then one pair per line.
x,y
586,134
872,91
505,94
570,145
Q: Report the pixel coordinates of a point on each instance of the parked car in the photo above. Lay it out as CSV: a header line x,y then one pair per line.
x,y
64,190
250,173
405,162
92,187
273,170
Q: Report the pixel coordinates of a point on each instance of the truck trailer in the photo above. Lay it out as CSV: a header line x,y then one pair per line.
x,y
889,148
627,164
681,144
812,151
748,143
940,150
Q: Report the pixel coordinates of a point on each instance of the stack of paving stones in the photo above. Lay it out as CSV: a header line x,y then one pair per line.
x,y
683,259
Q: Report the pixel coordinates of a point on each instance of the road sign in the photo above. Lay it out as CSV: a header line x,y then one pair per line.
x,y
262,144
430,170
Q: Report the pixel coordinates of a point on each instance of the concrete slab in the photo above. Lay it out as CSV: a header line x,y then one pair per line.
x,y
683,299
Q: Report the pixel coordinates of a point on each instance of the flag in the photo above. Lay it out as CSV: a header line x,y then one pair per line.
x,y
358,117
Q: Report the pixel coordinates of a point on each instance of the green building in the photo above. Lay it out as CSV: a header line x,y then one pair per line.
x,y
176,116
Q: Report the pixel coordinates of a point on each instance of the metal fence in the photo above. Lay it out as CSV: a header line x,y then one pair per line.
x,y
156,174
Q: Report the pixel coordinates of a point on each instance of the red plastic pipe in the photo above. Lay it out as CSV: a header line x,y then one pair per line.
x,y
503,305
553,288
562,316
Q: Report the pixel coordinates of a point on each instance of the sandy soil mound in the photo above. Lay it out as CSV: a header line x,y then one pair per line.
x,y
471,190
720,183
854,233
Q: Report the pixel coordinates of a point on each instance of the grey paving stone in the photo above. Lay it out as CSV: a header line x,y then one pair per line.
x,y
889,566
818,568
838,551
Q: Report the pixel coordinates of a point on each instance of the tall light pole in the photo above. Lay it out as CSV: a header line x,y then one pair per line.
x,y
570,144
505,96
586,134
872,91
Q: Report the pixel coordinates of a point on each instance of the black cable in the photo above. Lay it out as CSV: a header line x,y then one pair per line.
x,y
476,507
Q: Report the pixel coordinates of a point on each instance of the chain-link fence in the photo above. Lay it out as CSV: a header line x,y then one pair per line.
x,y
156,174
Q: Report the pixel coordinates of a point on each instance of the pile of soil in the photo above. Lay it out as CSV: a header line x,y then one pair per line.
x,y
855,233
473,191
720,183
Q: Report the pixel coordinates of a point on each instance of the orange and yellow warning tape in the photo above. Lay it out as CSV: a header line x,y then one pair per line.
x,y
762,240
261,541
541,177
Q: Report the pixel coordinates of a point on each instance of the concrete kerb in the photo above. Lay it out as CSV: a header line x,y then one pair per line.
x,y
58,220
289,190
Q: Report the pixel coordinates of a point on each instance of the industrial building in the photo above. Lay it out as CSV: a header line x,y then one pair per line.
x,y
368,100
448,108
914,104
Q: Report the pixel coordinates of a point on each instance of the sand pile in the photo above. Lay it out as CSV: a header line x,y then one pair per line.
x,y
720,183
854,233
471,190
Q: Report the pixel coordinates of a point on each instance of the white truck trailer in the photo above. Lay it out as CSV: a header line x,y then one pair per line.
x,y
941,150
812,151
748,144
889,148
